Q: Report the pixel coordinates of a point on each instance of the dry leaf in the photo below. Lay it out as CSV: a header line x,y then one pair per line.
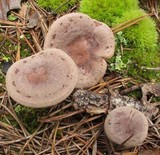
x,y
7,5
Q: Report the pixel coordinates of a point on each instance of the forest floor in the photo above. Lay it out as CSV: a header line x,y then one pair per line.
x,y
62,129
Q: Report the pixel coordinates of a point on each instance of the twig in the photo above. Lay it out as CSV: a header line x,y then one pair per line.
x,y
29,44
148,68
129,23
11,23
56,118
130,89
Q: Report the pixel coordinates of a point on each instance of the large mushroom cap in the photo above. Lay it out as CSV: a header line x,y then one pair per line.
x,y
126,125
43,79
87,41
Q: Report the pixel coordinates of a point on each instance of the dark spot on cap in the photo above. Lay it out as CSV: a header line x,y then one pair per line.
x,y
71,20
24,61
51,44
13,83
62,59
16,71
28,96
80,16
18,91
54,36
66,31
107,47
61,23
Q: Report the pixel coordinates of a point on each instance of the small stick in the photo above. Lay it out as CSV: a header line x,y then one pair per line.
x,y
18,54
26,40
56,118
11,23
133,21
130,89
148,68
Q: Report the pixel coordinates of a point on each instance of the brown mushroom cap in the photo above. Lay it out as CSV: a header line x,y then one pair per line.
x,y
87,41
126,125
43,79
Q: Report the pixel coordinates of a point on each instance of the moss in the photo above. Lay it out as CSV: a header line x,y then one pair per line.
x,y
143,35
141,38
107,10
58,6
25,51
29,116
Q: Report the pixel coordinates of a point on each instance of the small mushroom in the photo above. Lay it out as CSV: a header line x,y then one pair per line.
x,y
126,126
87,41
43,79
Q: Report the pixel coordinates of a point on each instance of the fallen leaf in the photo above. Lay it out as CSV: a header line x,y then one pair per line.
x,y
7,5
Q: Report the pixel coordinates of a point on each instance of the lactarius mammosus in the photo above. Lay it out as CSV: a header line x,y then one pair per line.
x,y
43,79
87,41
126,126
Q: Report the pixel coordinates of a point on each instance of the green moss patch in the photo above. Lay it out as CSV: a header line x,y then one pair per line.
x,y
107,11
143,35
140,38
58,6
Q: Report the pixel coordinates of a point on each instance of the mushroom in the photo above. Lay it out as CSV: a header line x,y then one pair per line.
x,y
87,41
126,126
43,79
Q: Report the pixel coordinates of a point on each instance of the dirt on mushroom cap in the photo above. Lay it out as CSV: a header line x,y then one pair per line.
x,y
86,41
43,79
126,125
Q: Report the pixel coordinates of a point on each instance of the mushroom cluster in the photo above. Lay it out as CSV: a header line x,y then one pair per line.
x,y
74,54
87,41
